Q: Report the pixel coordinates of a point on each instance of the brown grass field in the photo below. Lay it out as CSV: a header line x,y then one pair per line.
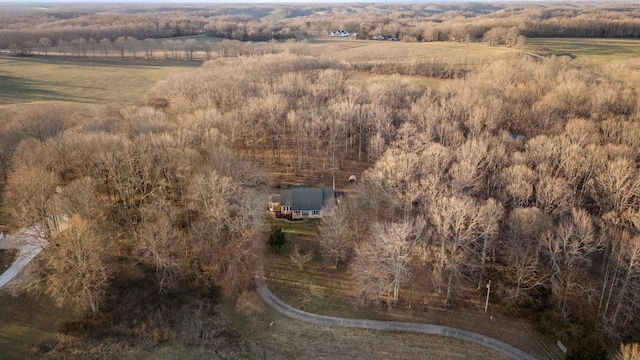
x,y
80,82
619,58
275,336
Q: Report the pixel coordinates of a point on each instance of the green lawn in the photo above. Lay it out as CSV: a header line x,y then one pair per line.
x,y
83,82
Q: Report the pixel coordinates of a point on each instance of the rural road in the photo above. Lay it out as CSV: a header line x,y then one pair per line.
x,y
29,243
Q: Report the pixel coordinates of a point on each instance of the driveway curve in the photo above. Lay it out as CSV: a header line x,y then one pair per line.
x,y
29,243
430,329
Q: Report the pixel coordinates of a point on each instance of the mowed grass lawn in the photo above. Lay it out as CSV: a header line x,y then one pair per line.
x,y
83,82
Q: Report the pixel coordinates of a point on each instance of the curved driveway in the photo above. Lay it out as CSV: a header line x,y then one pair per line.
x,y
476,338
29,243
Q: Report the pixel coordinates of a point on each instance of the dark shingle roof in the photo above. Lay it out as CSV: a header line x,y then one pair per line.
x,y
305,198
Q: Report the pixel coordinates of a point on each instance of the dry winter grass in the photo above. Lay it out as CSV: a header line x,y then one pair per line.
x,y
81,82
274,336
381,50
617,57
323,289
27,324
599,50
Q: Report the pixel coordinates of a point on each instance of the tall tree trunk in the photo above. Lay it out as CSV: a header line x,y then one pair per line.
x,y
450,287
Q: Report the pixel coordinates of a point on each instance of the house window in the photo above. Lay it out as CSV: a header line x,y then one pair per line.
x,y
315,212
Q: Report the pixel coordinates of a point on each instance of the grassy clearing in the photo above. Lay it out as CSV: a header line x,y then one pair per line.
x,y
323,289
598,50
27,324
352,50
81,82
380,54
619,58
274,336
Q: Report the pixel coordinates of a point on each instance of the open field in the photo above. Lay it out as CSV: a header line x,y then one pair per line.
x,y
354,50
81,82
27,324
619,58
598,50
382,57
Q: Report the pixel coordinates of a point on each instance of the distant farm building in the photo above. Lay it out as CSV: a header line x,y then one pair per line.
x,y
343,33
300,202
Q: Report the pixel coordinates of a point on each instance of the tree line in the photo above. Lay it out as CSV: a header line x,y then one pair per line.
x,y
407,22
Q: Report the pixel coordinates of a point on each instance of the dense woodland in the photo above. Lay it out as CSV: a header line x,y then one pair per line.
x,y
524,172
551,214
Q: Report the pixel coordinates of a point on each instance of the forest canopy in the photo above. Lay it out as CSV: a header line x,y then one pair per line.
x,y
521,169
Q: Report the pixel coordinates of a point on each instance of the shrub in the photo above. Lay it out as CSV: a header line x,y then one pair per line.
x,y
276,238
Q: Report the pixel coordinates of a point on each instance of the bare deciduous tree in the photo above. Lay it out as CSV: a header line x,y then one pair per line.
x,y
568,250
382,262
299,257
28,195
335,234
554,196
628,352
160,242
616,187
519,181
459,223
521,246
77,265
